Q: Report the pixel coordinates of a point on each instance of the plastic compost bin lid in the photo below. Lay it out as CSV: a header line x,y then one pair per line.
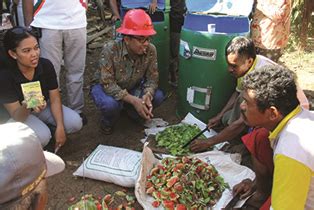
x,y
226,7
131,4
223,24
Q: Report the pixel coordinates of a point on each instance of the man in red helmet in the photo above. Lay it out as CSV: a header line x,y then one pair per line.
x,y
128,73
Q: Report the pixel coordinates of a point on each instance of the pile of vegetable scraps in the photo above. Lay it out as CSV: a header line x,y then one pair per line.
x,y
118,201
184,183
174,137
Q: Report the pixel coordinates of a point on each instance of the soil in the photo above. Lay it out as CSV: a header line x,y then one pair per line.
x,y
127,134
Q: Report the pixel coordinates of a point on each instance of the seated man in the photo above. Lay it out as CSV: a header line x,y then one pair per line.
x,y
241,59
129,73
257,142
24,167
270,101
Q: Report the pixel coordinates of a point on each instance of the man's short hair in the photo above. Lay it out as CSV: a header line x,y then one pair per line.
x,y
242,46
273,85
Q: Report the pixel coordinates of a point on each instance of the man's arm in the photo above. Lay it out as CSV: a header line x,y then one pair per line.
x,y
113,89
291,183
217,119
114,9
228,133
56,109
144,105
230,103
304,102
28,11
152,75
139,105
107,73
152,6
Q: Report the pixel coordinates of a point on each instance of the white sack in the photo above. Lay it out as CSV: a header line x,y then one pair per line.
x,y
112,164
232,173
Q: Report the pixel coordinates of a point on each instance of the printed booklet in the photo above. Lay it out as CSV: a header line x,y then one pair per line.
x,y
32,94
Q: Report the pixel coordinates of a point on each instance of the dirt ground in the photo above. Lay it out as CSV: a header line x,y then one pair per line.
x,y
127,134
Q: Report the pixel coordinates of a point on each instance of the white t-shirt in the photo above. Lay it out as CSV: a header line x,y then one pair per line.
x,y
259,62
60,14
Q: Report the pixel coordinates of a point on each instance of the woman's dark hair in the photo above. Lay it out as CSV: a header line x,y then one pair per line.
x,y
242,46
273,85
14,36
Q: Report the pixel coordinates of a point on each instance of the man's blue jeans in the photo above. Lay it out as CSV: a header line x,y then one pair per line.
x,y
111,108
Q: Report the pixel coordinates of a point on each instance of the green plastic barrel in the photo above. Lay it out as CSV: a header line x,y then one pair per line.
x,y
162,39
205,85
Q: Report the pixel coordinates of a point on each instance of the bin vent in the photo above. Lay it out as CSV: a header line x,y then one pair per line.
x,y
194,93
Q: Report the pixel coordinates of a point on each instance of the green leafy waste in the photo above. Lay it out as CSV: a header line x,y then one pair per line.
x,y
174,137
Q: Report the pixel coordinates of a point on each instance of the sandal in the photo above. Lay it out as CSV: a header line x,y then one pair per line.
x,y
107,130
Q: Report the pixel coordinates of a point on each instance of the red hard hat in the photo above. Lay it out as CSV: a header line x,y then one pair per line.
x,y
137,22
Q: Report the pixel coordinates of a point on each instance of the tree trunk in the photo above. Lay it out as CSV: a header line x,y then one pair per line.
x,y
306,17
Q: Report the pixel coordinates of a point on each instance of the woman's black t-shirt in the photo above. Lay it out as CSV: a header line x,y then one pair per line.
x,y
11,80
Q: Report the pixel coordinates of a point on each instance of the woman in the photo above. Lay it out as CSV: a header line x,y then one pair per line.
x,y
24,66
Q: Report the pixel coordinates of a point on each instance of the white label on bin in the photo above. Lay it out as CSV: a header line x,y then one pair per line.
x,y
190,95
184,49
204,53
211,28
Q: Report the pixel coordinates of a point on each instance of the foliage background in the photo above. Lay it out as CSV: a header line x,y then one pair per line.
x,y
297,17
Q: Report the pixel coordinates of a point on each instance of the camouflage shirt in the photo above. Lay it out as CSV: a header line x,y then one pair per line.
x,y
119,73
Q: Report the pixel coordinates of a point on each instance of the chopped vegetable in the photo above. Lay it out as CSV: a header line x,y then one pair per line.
x,y
90,202
184,183
87,202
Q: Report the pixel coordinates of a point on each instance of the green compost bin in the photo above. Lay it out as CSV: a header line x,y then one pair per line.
x,y
204,84
162,39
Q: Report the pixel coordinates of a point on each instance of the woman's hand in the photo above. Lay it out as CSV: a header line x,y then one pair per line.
x,y
40,108
60,137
